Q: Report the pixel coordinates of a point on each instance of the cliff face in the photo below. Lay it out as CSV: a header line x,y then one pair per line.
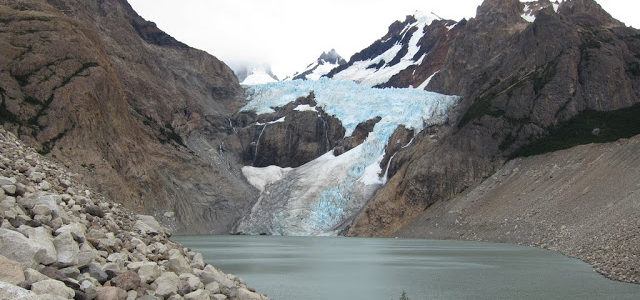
x,y
134,111
288,137
518,80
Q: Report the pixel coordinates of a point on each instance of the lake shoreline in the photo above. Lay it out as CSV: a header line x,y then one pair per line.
x,y
543,246
381,268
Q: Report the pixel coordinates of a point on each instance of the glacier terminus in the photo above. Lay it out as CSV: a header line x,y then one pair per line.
x,y
321,196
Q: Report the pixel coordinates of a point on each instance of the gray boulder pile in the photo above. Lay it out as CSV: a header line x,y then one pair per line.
x,y
60,241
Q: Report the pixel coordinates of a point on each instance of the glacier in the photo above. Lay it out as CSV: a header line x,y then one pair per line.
x,y
320,197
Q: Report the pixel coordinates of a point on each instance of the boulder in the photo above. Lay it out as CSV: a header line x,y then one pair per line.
x,y
13,292
7,181
213,287
149,297
41,210
8,185
44,185
70,272
9,189
37,177
218,297
41,198
16,246
52,287
127,281
96,272
149,272
41,237
11,271
198,261
52,273
94,210
197,295
132,295
118,258
77,231
244,294
89,288
167,284
148,224
192,281
177,262
32,276
111,293
211,274
67,249
87,254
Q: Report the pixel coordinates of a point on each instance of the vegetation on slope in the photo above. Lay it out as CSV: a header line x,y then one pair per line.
x,y
588,127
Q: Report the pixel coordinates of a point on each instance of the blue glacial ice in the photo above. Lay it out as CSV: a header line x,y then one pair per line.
x,y
318,197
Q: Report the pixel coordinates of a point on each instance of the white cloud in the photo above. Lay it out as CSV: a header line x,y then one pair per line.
x,y
289,34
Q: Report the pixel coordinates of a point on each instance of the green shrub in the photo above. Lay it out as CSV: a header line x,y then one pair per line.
x,y
611,125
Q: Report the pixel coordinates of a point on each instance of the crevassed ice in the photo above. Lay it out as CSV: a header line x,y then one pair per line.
x,y
318,197
354,103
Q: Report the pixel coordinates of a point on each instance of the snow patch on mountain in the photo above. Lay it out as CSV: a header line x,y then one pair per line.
x,y
380,69
255,74
316,198
322,66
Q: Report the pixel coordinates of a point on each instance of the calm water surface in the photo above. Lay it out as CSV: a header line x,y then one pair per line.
x,y
333,268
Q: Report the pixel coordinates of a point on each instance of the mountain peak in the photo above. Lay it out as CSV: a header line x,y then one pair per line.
x,y
331,57
323,65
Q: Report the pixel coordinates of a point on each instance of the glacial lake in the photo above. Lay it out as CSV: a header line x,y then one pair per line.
x,y
336,268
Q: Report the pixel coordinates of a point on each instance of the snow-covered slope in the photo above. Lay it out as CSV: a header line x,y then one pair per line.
x,y
255,74
316,198
322,66
405,46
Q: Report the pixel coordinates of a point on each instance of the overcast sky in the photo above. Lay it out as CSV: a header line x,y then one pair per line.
x,y
289,34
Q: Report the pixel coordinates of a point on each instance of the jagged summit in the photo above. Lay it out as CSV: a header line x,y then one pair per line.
x,y
323,65
331,57
394,59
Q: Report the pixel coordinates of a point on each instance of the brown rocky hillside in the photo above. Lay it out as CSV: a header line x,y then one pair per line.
x,y
560,77
137,113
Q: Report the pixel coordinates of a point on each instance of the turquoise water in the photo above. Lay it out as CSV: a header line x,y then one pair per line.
x,y
324,268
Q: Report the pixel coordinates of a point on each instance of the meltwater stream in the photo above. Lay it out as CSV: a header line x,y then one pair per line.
x,y
334,268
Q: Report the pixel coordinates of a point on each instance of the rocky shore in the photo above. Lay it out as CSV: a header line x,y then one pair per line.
x,y
58,240
582,202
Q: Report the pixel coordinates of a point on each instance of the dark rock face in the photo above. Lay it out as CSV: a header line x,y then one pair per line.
x,y
436,42
118,101
517,80
357,137
399,140
290,142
